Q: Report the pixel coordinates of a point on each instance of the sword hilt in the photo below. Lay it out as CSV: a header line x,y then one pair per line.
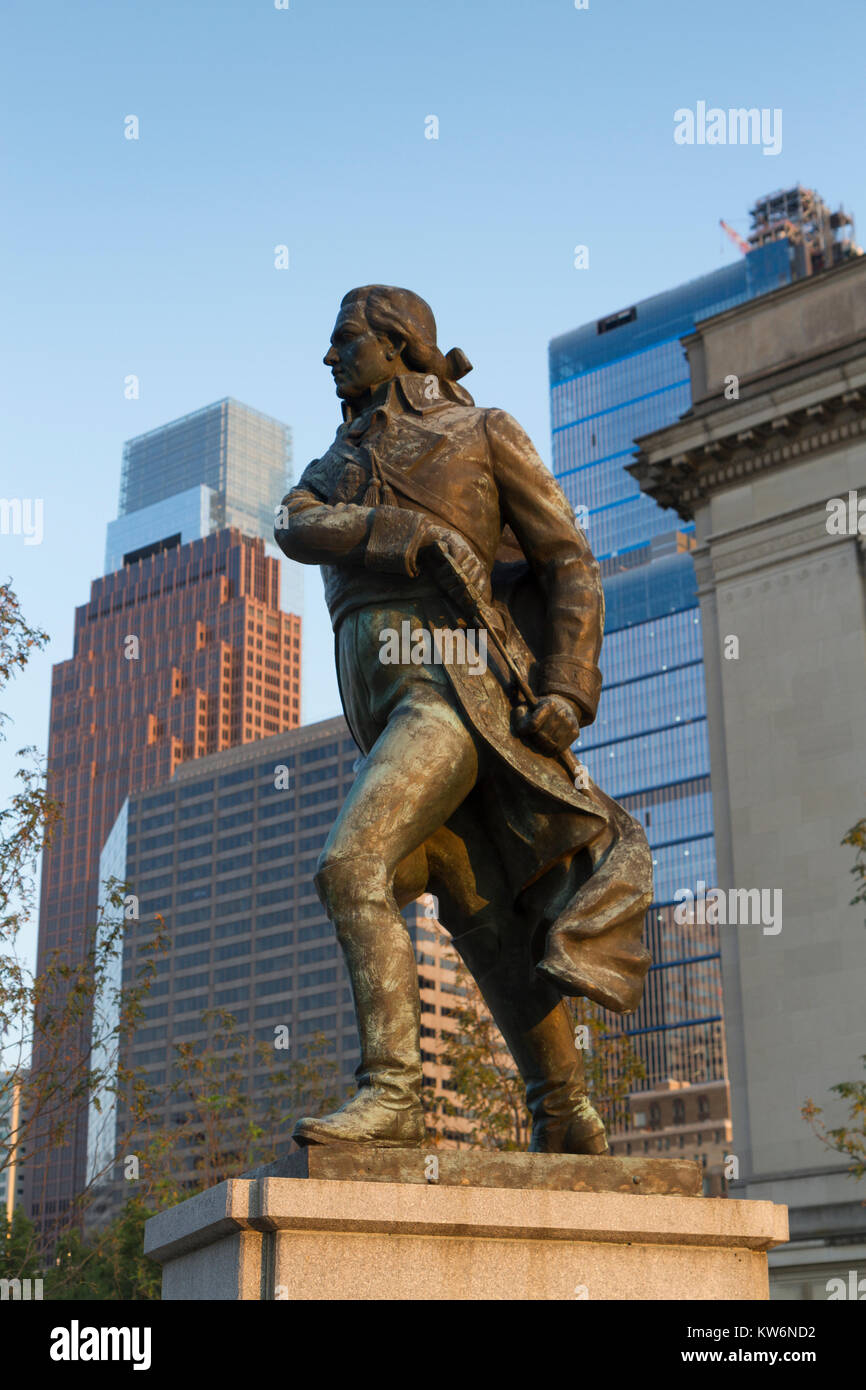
x,y
474,601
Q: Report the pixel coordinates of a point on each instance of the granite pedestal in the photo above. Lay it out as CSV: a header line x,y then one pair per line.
x,y
361,1223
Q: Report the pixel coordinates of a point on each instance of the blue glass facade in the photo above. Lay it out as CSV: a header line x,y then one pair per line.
x,y
243,456
223,465
611,382
186,514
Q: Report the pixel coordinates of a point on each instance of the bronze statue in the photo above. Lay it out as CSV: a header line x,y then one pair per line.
x,y
433,519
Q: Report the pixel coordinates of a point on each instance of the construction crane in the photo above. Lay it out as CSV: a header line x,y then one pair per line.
x,y
735,237
817,237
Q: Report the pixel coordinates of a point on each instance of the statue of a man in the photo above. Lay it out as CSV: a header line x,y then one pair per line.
x,y
426,509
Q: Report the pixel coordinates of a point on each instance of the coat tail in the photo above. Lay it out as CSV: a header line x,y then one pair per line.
x,y
594,946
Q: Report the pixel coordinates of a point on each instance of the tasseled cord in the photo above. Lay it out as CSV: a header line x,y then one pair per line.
x,y
379,493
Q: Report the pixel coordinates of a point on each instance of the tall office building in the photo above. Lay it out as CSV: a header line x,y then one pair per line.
x,y
226,851
180,653
223,465
612,381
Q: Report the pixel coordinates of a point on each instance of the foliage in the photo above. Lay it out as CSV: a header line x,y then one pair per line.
x,y
212,1123
107,1267
28,823
77,1017
613,1068
489,1092
50,1013
847,1139
111,1267
857,838
18,1259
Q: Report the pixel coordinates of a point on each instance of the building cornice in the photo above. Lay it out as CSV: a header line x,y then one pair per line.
x,y
262,749
683,465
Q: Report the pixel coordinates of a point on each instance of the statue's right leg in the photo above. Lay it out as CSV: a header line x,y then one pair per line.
x,y
419,770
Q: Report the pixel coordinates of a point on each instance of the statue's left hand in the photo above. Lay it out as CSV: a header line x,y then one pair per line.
x,y
552,725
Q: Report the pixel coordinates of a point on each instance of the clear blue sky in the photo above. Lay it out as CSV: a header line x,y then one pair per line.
x,y
305,126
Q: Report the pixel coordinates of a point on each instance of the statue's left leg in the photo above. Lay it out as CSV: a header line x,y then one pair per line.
x,y
537,1025
534,1020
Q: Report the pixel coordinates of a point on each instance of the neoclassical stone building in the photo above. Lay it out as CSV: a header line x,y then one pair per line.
x,y
777,430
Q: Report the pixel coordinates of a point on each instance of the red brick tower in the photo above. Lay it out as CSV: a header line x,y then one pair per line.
x,y
179,654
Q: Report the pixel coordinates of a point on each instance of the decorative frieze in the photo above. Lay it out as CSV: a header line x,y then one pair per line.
x,y
685,479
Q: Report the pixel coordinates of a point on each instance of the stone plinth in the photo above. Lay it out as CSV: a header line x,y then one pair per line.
x,y
494,1226
483,1168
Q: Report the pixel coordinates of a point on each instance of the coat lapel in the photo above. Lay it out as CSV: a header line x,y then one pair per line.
x,y
407,442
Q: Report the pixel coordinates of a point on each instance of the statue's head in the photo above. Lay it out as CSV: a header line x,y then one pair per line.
x,y
382,332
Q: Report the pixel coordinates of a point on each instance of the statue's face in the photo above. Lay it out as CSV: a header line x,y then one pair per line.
x,y
360,359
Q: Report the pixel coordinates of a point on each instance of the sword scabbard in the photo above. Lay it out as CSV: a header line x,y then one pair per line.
x,y
477,612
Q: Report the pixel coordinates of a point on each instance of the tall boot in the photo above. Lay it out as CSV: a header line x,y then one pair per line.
x,y
384,976
563,1118
536,1024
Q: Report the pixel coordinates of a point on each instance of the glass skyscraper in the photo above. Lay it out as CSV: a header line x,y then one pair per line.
x,y
611,382
241,455
225,465
620,377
